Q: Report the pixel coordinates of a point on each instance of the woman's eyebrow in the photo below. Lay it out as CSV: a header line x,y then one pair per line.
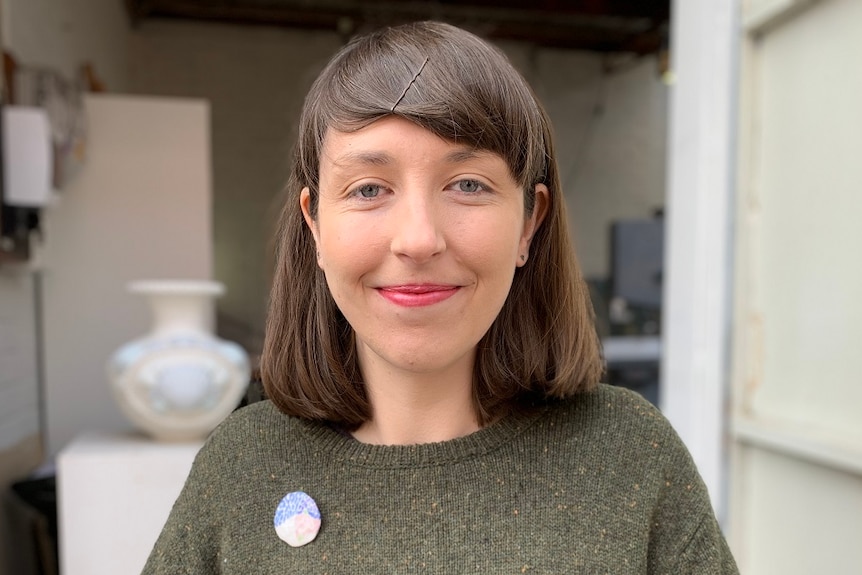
x,y
363,159
380,158
464,155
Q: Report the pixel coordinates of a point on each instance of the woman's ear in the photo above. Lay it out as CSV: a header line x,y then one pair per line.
x,y
533,221
305,206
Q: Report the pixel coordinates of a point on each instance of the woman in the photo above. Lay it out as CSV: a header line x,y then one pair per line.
x,y
430,356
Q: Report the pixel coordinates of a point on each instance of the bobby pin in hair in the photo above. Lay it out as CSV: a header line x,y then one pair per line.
x,y
404,93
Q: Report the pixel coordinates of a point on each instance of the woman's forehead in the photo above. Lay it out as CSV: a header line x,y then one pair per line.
x,y
383,141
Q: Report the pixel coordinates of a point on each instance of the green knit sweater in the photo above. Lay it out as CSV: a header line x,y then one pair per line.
x,y
596,484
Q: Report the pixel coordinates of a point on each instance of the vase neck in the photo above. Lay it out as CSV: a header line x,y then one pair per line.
x,y
182,313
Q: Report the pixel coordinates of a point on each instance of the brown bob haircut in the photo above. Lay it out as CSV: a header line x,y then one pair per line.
x,y
543,343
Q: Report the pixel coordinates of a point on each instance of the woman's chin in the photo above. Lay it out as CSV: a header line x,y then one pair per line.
x,y
418,360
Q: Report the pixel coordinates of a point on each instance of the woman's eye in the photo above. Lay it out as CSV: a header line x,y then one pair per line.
x,y
368,191
469,186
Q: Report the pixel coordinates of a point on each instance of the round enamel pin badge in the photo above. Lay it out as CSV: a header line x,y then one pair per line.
x,y
297,519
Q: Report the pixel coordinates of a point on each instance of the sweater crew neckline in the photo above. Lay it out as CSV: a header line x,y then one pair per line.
x,y
339,445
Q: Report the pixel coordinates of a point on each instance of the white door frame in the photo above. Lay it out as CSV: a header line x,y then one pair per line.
x,y
695,382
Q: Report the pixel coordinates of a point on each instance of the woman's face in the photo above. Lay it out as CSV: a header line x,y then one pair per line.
x,y
419,239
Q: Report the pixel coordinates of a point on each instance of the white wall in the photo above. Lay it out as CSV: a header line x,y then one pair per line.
x,y
140,208
19,408
612,161
64,34
611,129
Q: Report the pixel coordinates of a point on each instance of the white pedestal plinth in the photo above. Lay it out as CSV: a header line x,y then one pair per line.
x,y
115,493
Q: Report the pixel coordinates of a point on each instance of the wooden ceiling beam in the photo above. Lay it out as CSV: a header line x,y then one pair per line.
x,y
594,25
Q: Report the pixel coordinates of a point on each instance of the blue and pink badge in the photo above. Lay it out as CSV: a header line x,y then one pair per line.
x,y
297,519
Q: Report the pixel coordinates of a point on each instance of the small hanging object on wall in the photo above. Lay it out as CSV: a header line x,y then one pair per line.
x,y
62,99
179,381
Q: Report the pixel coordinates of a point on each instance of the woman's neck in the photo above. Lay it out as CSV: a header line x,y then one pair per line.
x,y
411,408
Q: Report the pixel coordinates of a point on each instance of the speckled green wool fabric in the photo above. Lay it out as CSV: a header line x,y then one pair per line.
x,y
596,484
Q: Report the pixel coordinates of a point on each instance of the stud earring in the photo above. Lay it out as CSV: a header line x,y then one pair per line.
x,y
523,258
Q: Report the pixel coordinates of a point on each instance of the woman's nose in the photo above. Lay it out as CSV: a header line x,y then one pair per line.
x,y
417,230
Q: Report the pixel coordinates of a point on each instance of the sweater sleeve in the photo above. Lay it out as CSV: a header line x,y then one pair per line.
x,y
188,543
705,552
685,537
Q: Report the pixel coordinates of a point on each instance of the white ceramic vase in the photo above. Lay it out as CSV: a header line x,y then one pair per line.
x,y
179,381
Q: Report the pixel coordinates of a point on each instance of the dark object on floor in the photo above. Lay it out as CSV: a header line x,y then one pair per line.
x,y
39,497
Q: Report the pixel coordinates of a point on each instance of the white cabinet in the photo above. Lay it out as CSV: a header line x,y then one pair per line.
x,y
115,492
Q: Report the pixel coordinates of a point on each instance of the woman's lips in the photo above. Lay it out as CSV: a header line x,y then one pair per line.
x,y
417,295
